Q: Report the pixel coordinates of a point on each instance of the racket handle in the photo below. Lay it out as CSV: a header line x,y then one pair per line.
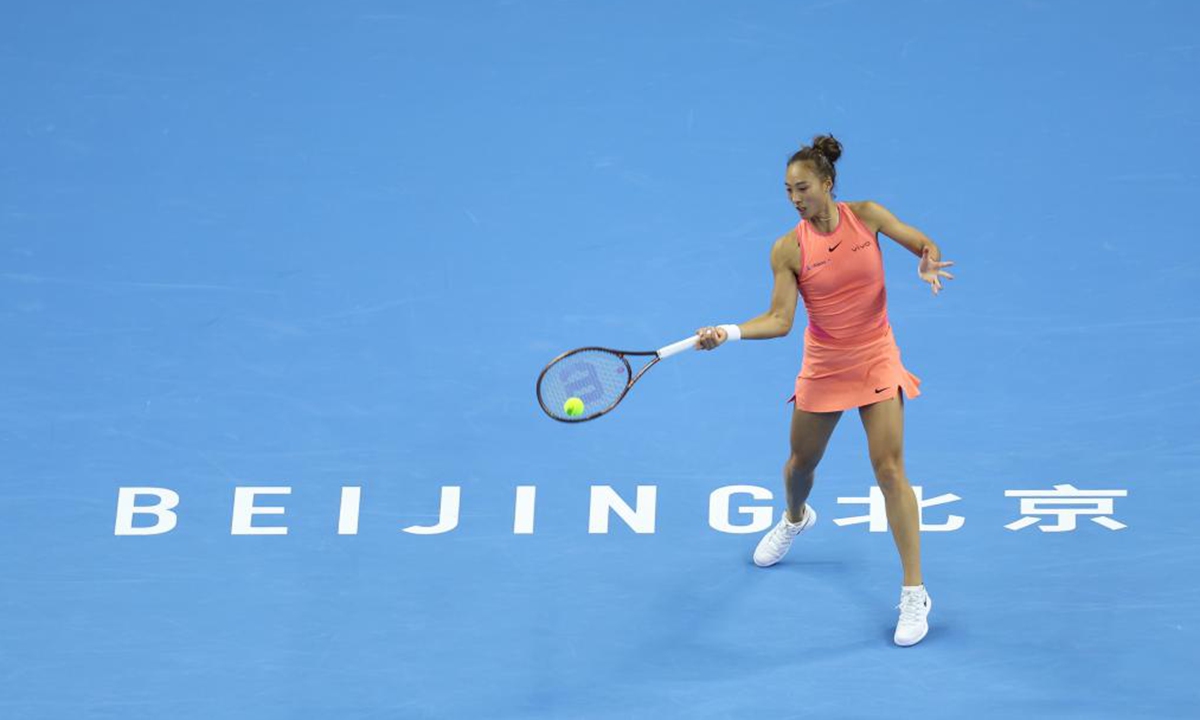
x,y
677,347
732,332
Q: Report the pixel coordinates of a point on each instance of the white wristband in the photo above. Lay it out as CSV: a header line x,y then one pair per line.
x,y
733,331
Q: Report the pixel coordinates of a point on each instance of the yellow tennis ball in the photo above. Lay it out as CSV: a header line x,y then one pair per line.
x,y
573,407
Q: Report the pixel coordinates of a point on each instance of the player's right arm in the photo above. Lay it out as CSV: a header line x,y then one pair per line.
x,y
777,320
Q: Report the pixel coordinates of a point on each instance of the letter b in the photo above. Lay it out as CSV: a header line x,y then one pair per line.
x,y
163,511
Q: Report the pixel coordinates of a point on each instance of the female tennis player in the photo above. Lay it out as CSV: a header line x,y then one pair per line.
x,y
833,259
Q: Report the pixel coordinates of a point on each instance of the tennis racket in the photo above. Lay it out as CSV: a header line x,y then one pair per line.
x,y
600,377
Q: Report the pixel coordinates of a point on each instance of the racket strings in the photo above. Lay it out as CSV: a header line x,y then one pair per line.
x,y
597,377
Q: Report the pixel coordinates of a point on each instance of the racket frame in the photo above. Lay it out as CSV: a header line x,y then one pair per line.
x,y
690,343
622,354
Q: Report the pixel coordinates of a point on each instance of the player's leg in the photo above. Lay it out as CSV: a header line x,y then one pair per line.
x,y
884,423
809,437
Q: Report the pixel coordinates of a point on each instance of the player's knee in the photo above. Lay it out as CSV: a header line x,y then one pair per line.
x,y
798,464
889,474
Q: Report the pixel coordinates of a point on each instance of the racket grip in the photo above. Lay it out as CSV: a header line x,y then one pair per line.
x,y
677,347
732,332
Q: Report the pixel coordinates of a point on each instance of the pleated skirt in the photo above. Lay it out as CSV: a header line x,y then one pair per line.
x,y
844,374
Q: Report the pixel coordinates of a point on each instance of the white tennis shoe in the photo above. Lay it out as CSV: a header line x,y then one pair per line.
x,y
776,543
914,607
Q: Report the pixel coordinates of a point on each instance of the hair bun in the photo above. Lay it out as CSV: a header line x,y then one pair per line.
x,y
828,146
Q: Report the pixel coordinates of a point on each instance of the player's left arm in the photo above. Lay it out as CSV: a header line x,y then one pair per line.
x,y
930,269
909,237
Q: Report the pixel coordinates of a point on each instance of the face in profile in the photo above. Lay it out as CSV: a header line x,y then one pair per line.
x,y
807,193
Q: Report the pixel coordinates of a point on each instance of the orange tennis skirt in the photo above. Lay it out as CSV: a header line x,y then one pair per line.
x,y
843,374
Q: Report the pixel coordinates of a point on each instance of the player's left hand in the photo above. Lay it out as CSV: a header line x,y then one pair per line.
x,y
929,270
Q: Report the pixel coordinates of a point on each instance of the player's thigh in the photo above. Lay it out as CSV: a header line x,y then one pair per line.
x,y
884,423
810,435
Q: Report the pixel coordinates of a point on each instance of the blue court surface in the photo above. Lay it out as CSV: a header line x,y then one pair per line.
x,y
297,266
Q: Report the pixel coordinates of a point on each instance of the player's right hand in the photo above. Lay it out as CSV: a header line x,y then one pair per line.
x,y
710,338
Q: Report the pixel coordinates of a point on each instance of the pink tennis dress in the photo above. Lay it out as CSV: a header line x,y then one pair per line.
x,y
850,354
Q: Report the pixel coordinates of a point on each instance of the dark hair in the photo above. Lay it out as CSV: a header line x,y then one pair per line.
x,y
823,153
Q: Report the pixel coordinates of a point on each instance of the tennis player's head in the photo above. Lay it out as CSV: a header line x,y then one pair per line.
x,y
811,176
